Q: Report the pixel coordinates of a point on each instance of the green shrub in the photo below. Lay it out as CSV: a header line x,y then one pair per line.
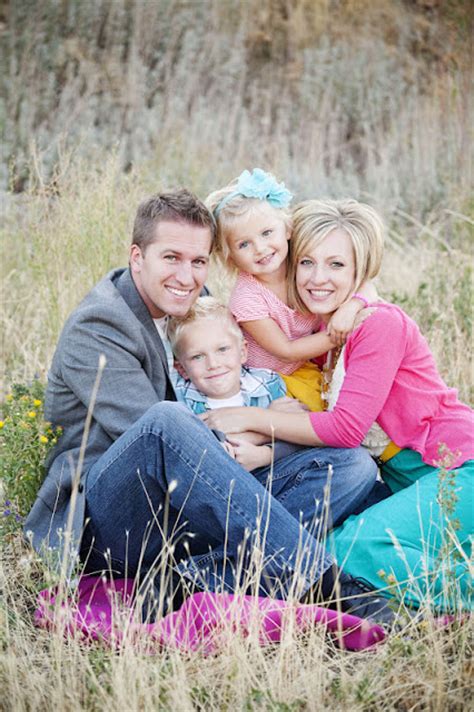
x,y
25,440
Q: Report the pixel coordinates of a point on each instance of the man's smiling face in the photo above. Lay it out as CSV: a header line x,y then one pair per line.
x,y
170,273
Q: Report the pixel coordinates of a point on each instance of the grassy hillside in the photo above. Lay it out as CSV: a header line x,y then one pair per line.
x,y
106,101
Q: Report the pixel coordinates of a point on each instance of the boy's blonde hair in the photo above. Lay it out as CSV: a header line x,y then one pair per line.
x,y
204,308
227,216
313,220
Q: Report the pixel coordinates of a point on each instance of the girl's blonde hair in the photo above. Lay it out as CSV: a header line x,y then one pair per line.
x,y
227,216
204,308
313,220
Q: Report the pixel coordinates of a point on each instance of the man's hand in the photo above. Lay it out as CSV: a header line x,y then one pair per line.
x,y
250,456
288,405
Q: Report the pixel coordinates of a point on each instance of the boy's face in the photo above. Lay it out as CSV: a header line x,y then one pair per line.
x,y
212,356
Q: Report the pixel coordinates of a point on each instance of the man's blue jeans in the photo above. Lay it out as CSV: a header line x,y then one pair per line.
x,y
166,489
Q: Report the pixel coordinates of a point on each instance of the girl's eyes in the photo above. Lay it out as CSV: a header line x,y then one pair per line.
x,y
197,357
336,263
223,348
243,245
266,233
305,262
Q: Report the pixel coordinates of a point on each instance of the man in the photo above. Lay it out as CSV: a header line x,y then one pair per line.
x,y
136,483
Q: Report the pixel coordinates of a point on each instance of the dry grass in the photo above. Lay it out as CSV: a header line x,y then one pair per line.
x,y
55,247
419,667
354,98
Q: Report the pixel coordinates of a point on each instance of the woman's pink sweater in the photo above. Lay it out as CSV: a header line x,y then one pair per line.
x,y
391,378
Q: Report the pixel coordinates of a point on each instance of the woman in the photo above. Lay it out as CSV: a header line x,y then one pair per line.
x,y
417,540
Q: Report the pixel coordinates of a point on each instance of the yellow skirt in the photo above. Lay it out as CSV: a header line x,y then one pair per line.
x,y
305,384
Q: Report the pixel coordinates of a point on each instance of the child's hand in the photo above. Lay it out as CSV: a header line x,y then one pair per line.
x,y
342,322
228,448
288,405
250,456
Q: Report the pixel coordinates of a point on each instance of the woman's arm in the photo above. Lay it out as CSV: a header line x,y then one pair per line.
x,y
375,355
294,428
375,352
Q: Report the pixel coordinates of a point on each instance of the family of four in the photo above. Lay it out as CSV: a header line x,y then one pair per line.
x,y
298,443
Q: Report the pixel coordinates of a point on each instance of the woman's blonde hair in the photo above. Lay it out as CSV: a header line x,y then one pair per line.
x,y
313,220
227,216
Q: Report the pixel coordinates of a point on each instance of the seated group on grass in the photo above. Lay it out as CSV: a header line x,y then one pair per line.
x,y
315,428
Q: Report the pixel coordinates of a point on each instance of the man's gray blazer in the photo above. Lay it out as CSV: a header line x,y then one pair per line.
x,y
112,320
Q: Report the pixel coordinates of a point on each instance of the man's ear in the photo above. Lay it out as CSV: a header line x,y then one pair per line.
x,y
243,352
136,258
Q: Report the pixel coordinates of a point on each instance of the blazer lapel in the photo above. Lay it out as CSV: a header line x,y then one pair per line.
x,y
126,286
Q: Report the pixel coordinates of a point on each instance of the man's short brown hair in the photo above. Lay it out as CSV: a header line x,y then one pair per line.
x,y
178,206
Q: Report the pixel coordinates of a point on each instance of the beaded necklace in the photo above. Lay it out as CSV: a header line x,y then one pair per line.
x,y
328,370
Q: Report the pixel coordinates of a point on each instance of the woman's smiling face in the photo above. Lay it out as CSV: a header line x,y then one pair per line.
x,y
325,274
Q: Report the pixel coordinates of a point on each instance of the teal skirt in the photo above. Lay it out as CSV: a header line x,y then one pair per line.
x,y
417,544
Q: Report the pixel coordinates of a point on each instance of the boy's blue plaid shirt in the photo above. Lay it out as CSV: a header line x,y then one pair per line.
x,y
258,386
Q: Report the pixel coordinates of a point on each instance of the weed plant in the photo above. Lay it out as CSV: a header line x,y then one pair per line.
x,y
25,440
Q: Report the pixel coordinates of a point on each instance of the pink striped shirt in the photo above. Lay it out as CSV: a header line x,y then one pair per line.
x,y
251,300
391,378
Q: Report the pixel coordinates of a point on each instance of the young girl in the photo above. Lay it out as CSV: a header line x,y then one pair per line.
x,y
253,233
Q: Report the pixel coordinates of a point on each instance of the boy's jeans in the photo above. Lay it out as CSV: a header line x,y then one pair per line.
x,y
167,492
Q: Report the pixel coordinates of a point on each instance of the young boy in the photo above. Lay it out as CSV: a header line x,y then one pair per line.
x,y
211,352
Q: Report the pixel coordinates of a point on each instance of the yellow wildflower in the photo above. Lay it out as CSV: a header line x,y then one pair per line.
x,y
2,423
381,573
31,414
391,579
43,439
37,402
10,397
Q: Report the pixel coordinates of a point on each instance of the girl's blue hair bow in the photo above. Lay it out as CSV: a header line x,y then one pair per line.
x,y
258,184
